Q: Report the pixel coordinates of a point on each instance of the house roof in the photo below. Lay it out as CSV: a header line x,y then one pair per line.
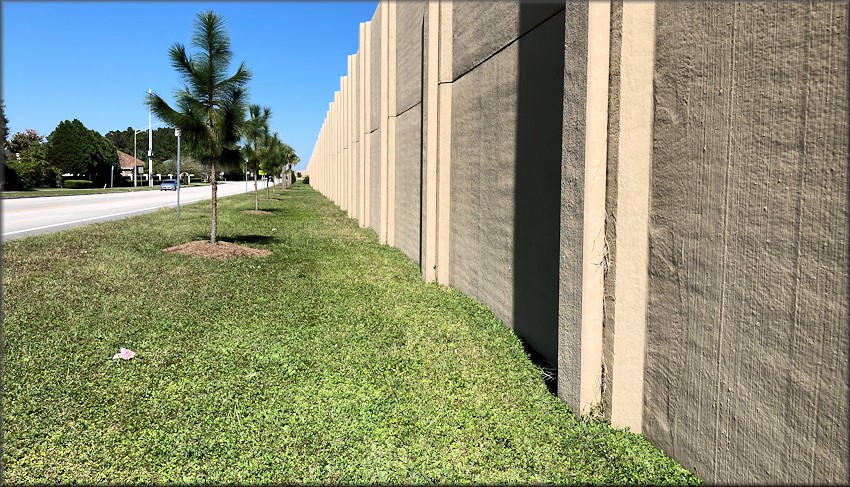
x,y
126,161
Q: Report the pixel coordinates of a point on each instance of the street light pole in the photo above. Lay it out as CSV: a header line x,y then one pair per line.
x,y
177,133
246,176
150,143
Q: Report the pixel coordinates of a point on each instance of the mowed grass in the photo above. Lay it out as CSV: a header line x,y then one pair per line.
x,y
329,361
39,192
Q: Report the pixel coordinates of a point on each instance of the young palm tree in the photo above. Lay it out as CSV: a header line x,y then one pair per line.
x,y
289,159
210,109
270,155
256,129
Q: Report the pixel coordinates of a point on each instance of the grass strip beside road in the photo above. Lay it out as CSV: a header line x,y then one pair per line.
x,y
40,192
328,361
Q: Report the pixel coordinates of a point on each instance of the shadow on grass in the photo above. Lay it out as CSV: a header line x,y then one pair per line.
x,y
253,239
262,210
548,370
240,239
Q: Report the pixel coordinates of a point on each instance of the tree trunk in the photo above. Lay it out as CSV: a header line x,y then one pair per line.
x,y
256,193
214,221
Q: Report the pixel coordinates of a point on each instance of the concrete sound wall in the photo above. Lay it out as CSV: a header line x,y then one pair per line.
x,y
654,197
506,141
747,324
374,49
409,124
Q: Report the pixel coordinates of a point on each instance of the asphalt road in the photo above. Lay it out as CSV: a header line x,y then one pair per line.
x,y
23,217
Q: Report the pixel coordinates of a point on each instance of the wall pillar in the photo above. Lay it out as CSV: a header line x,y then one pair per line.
x,y
343,144
361,124
432,53
335,125
354,80
633,190
365,122
392,82
593,246
349,145
385,24
444,139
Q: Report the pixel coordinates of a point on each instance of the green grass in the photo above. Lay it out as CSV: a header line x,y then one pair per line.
x,y
328,361
39,192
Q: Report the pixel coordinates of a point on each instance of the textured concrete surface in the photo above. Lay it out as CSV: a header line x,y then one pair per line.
x,y
335,154
408,188
387,107
723,324
582,243
537,180
375,181
482,174
610,257
444,140
430,143
428,233
390,183
409,54
375,70
362,117
482,29
358,128
357,193
633,180
595,161
572,204
747,336
506,153
408,185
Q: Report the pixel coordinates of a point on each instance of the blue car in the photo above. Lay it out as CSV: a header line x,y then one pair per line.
x,y
168,185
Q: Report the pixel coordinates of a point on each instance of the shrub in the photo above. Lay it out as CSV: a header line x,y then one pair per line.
x,y
78,184
307,179
9,179
122,181
32,167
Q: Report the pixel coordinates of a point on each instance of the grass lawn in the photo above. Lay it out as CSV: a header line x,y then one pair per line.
x,y
328,361
39,192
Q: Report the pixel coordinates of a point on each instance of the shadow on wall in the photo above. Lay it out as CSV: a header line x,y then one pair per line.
x,y
539,124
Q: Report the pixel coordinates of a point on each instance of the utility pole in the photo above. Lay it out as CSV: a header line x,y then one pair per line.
x,y
177,133
150,143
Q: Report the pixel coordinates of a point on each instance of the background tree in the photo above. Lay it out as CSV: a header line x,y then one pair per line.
x,y
256,132
22,140
8,179
72,148
33,168
188,165
4,122
211,106
104,158
290,159
271,155
164,143
67,147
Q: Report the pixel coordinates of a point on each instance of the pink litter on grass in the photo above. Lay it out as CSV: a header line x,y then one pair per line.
x,y
124,353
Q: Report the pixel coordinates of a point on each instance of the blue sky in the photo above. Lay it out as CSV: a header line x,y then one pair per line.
x,y
95,61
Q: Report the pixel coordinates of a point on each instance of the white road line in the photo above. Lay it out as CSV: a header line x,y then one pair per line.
x,y
189,199
85,220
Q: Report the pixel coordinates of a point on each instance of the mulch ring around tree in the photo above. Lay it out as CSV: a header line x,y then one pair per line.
x,y
257,212
220,250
